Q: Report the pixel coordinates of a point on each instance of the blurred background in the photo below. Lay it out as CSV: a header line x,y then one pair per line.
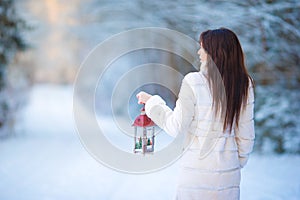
x,y
43,43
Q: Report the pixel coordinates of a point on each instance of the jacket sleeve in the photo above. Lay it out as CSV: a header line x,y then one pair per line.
x,y
174,121
245,133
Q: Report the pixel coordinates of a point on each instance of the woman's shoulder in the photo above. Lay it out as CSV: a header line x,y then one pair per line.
x,y
195,78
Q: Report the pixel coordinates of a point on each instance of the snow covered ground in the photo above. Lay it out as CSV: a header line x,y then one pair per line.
x,y
45,159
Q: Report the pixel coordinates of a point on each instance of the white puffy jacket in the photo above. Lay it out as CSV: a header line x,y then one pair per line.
x,y
210,168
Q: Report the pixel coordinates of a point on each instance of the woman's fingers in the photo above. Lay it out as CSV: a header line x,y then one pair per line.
x,y
138,96
142,97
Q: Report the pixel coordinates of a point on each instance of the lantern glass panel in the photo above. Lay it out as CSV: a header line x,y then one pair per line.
x,y
143,139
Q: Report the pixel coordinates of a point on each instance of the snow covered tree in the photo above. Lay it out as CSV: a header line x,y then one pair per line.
x,y
269,34
11,41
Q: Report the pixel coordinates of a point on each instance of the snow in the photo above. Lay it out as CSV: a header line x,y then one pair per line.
x,y
45,159
268,32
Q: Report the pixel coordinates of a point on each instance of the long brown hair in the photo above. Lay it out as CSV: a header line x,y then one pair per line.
x,y
226,64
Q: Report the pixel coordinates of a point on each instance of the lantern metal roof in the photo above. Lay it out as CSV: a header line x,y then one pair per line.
x,y
143,120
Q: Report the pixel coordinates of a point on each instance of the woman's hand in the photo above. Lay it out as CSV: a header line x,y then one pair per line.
x,y
143,97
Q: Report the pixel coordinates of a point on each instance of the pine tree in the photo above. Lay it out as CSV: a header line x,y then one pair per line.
x,y
11,41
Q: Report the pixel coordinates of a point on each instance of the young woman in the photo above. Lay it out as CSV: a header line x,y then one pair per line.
x,y
215,109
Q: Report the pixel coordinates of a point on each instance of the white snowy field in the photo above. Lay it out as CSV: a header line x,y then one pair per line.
x,y
45,159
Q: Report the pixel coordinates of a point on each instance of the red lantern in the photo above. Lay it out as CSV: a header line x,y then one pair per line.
x,y
143,133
